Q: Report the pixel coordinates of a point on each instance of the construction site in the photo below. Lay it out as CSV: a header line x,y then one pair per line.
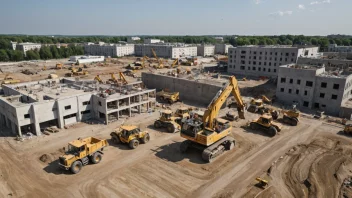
x,y
162,128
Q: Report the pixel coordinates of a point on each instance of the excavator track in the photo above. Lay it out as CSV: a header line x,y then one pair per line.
x,y
213,151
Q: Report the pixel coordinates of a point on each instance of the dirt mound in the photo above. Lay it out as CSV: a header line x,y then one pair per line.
x,y
320,169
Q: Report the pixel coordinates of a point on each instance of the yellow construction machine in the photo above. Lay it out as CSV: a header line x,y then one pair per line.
x,y
77,72
211,135
182,112
160,62
266,124
266,99
262,183
82,151
173,65
10,80
168,121
166,95
97,78
291,116
131,135
348,128
256,106
59,66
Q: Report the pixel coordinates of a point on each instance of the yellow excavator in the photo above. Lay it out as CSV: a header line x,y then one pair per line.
x,y
160,62
115,80
9,80
211,135
97,78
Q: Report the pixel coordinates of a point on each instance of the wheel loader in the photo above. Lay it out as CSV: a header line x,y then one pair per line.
x,y
131,135
82,151
166,120
266,124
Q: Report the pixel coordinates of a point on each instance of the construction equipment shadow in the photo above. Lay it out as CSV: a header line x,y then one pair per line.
x,y
54,168
171,152
257,132
120,146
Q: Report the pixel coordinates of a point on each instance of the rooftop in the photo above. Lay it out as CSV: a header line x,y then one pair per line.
x,y
303,66
27,43
274,46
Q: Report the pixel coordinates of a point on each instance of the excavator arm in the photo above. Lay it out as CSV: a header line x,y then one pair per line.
x,y
174,63
97,78
123,78
213,109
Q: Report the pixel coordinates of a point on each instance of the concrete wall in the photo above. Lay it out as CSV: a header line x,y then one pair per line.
x,y
189,90
330,64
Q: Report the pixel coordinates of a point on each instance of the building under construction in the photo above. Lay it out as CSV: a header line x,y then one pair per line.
x,y
31,107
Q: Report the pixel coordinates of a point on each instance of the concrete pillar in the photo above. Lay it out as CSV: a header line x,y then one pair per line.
x,y
60,115
78,115
106,119
35,120
19,130
129,112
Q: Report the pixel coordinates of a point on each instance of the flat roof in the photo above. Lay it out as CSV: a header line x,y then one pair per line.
x,y
302,66
276,46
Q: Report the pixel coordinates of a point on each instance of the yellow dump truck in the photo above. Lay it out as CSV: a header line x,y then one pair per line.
x,y
82,151
170,97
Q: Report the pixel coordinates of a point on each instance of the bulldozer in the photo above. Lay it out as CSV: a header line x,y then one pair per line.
x,y
291,116
166,95
131,135
266,124
82,151
262,183
9,80
211,134
168,121
256,106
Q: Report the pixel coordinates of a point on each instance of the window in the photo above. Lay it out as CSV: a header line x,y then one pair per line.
x,y
282,89
254,68
297,91
334,97
86,103
336,86
85,112
70,116
269,70
242,67
291,81
323,105
298,82
292,60
249,62
306,53
287,54
280,59
263,69
305,93
243,62
270,64
293,54
323,85
286,59
274,64
309,84
274,70
289,90
260,63
316,105
254,63
243,52
99,103
264,63
68,107
249,68
27,116
322,95
259,69
254,57
305,104
260,53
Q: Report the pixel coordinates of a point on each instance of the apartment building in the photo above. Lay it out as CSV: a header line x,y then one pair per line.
x,y
222,48
265,60
336,48
205,50
312,87
112,50
24,47
166,50
152,41
133,39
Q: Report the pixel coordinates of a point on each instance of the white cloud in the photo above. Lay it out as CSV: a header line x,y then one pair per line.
x,y
257,1
281,13
319,2
301,7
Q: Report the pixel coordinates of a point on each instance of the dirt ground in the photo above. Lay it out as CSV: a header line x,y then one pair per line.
x,y
312,154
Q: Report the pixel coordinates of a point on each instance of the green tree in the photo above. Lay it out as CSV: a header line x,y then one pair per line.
x,y
17,55
32,55
314,41
5,44
55,52
254,41
4,56
346,42
45,53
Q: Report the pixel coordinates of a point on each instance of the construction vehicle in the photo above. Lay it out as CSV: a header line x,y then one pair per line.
x,y
256,106
348,128
59,66
160,62
131,135
82,151
174,63
166,95
291,116
53,76
10,80
44,68
211,134
97,78
266,99
182,112
266,124
77,72
168,121
262,183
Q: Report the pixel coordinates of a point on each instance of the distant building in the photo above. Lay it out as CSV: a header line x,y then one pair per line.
x,y
265,60
205,50
24,47
336,48
112,50
219,39
87,59
222,48
13,45
312,87
166,50
152,41
133,39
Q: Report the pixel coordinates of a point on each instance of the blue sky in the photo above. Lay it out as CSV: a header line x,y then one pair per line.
x,y
175,17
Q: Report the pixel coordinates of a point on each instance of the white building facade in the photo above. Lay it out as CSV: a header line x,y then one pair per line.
x,y
166,50
151,41
205,50
24,47
112,50
222,48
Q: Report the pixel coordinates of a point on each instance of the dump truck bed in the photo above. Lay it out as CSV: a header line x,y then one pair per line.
x,y
92,143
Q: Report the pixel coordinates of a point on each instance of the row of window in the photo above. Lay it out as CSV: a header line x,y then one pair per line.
x,y
254,68
266,53
264,58
310,83
259,63
321,95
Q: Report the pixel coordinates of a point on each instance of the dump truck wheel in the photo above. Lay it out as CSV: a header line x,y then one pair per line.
x,y
134,143
157,124
96,158
115,138
272,131
76,167
146,138
170,128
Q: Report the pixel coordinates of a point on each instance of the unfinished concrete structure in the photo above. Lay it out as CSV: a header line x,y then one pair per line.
x,y
222,48
330,63
265,60
205,50
336,48
312,87
33,106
